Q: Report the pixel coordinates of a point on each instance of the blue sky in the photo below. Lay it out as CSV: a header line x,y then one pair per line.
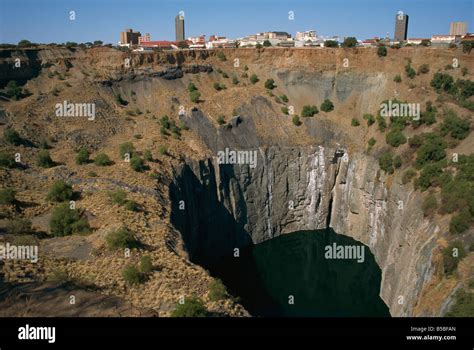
x,y
48,21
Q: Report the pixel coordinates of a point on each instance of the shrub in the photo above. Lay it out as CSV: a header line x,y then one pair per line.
x,y
60,192
131,274
355,122
397,78
120,100
452,255
118,197
285,110
191,87
126,148
163,150
327,106
423,69
44,159
460,222
463,305
429,176
386,163
246,68
429,205
309,111
454,126
82,157
221,120
296,120
165,122
65,221
442,82
432,149
121,239
349,42
219,86
270,84
408,175
254,79
148,156
192,307
371,142
284,98
397,162
146,265
12,137
370,119
395,138
331,43
137,163
382,51
102,159
13,90
235,80
382,124
221,56
19,227
7,160
410,71
267,43
217,290
195,96
415,141
7,196
131,205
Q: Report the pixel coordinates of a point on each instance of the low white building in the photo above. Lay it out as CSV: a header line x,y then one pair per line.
x,y
445,39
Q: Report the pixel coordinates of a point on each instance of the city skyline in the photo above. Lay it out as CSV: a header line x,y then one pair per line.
x,y
49,21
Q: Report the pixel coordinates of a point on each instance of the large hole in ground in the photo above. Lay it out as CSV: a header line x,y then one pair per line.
x,y
290,275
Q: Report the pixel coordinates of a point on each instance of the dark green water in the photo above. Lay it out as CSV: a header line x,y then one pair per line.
x,y
265,276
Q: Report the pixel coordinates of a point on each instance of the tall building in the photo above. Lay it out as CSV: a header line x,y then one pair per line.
x,y
129,37
401,27
179,26
145,38
458,28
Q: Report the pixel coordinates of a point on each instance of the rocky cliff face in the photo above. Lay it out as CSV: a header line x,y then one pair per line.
x,y
304,188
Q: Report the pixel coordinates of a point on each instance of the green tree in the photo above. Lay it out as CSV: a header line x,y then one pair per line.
x,y
432,149
267,43
460,222
386,163
349,42
395,138
270,84
331,43
65,221
309,111
60,192
192,307
327,106
442,82
82,156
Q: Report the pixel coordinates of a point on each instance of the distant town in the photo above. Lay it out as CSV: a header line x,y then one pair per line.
x,y
135,41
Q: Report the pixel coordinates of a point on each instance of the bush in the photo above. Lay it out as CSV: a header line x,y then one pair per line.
x,y
382,124
118,197
423,69
460,222
355,122
219,86
397,162
429,205
82,157
44,159
235,80
309,111
450,260
148,156
395,138
386,163
331,43
370,119
121,239
137,163
296,120
382,51
102,159
7,160
408,176
146,265
429,176
192,307
371,142
442,82
221,120
163,150
65,221
327,106
221,56
131,205
267,43
217,290
60,192
254,79
12,137
120,100
126,148
415,141
285,110
131,275
192,87
195,96
13,90
397,78
432,149
7,196
463,305
19,227
454,126
410,71
165,122
349,42
284,98
270,84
